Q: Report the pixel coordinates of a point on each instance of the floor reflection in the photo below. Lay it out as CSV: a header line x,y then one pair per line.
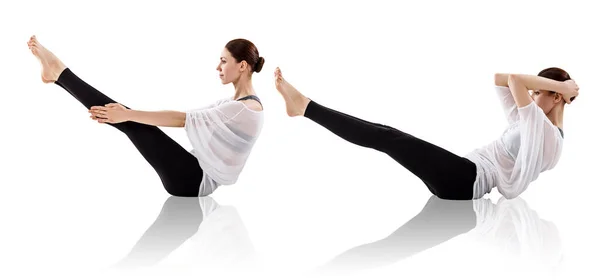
x,y
194,232
509,224
514,229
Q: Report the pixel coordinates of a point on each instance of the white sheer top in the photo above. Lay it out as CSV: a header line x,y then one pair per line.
x,y
222,136
530,145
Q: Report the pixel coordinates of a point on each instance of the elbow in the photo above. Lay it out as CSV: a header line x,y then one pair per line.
x,y
514,79
181,120
500,79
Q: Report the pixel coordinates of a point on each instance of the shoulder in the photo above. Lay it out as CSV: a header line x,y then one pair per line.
x,y
223,101
502,89
252,105
531,108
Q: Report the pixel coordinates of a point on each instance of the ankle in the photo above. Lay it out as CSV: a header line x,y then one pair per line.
x,y
304,103
57,70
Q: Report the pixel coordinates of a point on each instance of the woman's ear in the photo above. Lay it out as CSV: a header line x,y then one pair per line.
x,y
557,97
244,66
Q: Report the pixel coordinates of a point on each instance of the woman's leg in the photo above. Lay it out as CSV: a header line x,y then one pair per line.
x,y
446,175
178,170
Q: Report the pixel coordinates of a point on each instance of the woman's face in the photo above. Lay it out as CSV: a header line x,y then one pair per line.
x,y
229,69
546,100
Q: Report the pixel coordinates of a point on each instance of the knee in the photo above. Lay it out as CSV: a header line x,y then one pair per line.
x,y
385,138
393,135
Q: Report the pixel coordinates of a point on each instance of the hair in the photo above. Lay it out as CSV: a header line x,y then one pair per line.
x,y
242,49
556,74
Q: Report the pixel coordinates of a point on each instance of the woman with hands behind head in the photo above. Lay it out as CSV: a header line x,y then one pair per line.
x,y
531,144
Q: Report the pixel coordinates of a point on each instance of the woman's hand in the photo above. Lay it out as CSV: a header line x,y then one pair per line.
x,y
571,91
110,113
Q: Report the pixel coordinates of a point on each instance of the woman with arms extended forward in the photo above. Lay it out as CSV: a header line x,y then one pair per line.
x,y
221,134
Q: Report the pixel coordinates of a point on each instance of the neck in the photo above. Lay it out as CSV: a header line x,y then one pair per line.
x,y
556,115
243,87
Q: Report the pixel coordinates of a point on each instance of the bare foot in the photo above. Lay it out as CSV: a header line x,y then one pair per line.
x,y
51,65
295,102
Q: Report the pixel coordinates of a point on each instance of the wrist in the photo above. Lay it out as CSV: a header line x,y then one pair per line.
x,y
563,88
129,114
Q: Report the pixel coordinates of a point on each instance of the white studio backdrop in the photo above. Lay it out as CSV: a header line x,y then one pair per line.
x,y
76,195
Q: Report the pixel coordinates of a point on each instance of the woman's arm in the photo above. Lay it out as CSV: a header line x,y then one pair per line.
x,y
117,113
520,84
501,79
160,118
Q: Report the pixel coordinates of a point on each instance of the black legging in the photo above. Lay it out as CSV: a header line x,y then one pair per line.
x,y
447,175
177,168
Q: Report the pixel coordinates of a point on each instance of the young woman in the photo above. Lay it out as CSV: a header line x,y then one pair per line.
x,y
222,134
530,145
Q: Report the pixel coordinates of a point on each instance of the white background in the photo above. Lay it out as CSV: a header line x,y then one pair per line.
x,y
76,195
